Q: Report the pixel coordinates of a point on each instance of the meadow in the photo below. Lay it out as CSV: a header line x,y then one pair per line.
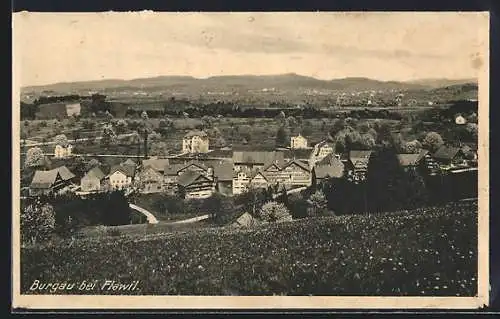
x,y
424,252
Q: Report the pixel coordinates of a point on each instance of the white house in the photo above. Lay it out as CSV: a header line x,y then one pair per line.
x,y
240,181
121,176
92,180
321,150
195,142
460,120
298,142
61,151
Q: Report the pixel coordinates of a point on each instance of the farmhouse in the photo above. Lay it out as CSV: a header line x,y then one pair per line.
x,y
450,156
223,172
195,185
258,180
329,167
256,159
297,142
149,180
63,151
295,173
195,142
358,164
241,180
58,180
121,176
93,180
410,161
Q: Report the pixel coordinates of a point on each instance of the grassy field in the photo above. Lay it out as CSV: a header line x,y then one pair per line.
x,y
431,251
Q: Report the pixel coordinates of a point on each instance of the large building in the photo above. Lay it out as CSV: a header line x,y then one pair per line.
x,y
195,142
298,142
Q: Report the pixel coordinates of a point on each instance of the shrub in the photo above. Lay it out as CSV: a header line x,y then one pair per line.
x,y
37,222
274,212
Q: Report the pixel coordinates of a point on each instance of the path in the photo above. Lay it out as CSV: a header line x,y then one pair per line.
x,y
192,220
150,217
30,143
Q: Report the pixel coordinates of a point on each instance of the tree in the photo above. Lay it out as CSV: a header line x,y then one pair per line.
x,y
367,141
144,116
274,212
158,149
291,122
282,137
121,126
108,116
91,164
154,137
432,141
317,204
61,139
116,208
412,147
165,126
108,136
37,222
298,206
34,157
281,117
472,128
220,142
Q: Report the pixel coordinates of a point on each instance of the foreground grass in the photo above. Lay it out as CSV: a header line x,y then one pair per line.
x,y
429,251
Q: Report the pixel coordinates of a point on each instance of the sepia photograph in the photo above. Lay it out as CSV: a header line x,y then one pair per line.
x,y
250,160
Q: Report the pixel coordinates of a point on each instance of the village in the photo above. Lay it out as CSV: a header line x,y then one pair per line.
x,y
199,171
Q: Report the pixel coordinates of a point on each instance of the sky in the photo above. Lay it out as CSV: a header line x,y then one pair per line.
x,y
67,47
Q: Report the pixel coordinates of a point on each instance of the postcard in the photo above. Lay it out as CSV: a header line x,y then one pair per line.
x,y
251,160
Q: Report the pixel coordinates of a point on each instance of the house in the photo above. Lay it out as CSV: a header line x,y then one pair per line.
x,y
450,156
223,172
92,181
149,180
302,154
173,172
296,173
358,164
195,142
58,180
297,142
274,174
63,151
460,120
258,180
195,185
241,179
256,159
321,150
410,161
121,176
159,164
329,167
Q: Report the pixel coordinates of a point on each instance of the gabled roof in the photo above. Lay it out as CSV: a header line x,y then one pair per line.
x,y
189,177
198,164
329,159
268,166
44,179
423,152
336,170
298,163
173,169
129,162
157,164
446,152
360,159
409,159
127,170
223,171
96,172
258,157
196,133
65,173
254,174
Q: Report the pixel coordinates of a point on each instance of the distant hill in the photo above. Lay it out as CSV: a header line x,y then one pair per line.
x,y
289,81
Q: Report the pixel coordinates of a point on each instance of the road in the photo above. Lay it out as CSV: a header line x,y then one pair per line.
x,y
150,217
29,143
192,220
